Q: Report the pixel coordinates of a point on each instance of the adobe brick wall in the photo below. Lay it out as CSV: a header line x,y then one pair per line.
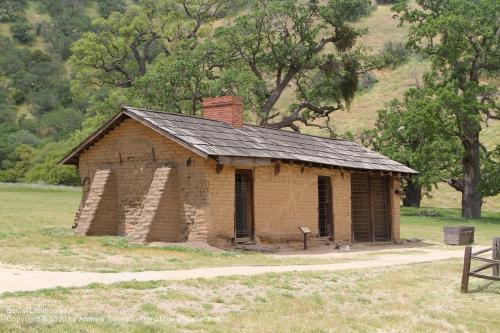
x,y
221,203
128,151
159,219
282,202
342,223
285,201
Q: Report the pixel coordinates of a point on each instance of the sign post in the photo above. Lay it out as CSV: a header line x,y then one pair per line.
x,y
306,231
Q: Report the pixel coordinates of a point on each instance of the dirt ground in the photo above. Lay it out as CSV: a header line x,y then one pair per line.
x,y
14,278
323,248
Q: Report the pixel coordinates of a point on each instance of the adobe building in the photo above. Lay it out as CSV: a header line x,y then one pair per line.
x,y
157,176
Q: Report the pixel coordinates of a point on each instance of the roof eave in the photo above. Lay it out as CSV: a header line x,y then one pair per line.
x,y
406,172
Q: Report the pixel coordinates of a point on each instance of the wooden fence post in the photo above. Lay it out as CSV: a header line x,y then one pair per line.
x,y
465,273
496,255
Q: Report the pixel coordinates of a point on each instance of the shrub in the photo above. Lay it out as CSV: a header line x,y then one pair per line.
x,y
395,53
8,176
45,168
366,81
21,31
50,172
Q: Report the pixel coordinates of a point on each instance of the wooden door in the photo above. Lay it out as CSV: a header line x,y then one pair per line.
x,y
370,209
380,208
325,207
360,207
243,205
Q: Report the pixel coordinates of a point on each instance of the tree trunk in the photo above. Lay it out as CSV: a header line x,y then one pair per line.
x,y
413,194
276,94
471,196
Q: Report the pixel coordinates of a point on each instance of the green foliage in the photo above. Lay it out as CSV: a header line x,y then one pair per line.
x,y
490,173
11,138
178,83
44,168
36,81
35,78
106,7
10,10
89,125
22,31
60,122
120,48
23,155
386,2
7,112
50,173
420,132
269,46
412,131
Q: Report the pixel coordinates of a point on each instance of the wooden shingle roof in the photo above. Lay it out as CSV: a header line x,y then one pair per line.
x,y
211,138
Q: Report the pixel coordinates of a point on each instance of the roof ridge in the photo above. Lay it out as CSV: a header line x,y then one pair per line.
x,y
244,124
174,114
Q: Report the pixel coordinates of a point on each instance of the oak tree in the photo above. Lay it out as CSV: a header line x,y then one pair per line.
x,y
121,47
462,41
305,51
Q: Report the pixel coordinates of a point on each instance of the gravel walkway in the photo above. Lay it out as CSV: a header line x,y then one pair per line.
x,y
17,279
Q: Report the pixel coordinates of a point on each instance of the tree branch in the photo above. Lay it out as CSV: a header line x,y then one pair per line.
x,y
457,184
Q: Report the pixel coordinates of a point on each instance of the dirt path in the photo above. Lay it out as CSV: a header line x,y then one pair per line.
x,y
15,279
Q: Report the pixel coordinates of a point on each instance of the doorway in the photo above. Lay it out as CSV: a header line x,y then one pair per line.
x,y
370,208
243,205
325,207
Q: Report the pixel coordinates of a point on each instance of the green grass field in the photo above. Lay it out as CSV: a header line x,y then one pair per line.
x,y
431,228
36,231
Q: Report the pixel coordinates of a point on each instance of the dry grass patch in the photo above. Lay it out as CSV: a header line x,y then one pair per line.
x,y
444,196
419,298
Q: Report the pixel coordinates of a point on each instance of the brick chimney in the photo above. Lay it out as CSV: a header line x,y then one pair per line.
x,y
228,109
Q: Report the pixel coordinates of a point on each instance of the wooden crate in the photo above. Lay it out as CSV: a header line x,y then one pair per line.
x,y
461,235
